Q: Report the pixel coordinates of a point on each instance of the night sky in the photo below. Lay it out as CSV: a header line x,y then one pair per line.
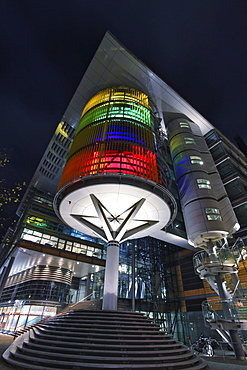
x,y
198,47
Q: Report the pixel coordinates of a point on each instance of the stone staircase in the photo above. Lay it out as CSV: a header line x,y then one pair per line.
x,y
87,339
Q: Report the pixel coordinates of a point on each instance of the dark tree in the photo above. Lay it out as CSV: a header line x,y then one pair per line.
x,y
10,194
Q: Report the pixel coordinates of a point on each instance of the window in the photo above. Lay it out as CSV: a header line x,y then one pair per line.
x,y
195,160
68,246
213,214
189,140
184,125
61,244
203,184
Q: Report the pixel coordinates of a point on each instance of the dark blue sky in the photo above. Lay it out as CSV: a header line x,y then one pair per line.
x,y
198,47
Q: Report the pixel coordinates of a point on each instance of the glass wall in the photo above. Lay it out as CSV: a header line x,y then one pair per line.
x,y
59,243
21,315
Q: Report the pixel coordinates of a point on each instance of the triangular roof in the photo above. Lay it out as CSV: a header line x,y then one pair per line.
x,y
114,65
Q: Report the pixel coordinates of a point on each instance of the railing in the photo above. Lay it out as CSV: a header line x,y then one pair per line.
x,y
45,303
82,300
94,304
229,309
223,256
28,325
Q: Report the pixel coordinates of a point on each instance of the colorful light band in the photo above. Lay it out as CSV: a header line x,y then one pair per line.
x,y
114,136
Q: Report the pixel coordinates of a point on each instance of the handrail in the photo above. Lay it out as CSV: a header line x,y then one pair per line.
x,y
83,299
236,287
213,309
27,324
224,256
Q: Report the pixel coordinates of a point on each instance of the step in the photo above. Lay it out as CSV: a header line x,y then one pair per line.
x,y
104,314
107,313
111,350
118,341
103,336
114,326
105,330
131,345
106,358
103,321
77,316
33,361
107,337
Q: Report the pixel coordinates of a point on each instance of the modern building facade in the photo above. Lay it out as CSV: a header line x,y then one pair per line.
x,y
132,163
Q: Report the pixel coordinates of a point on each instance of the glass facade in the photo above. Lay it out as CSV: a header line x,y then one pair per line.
x,y
61,243
22,315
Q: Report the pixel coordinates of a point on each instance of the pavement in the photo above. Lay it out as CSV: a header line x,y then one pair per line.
x,y
222,360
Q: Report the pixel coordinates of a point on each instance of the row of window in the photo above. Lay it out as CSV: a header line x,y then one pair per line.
x,y
58,149
54,158
36,290
47,173
67,129
184,125
213,214
40,222
50,166
203,184
196,160
189,140
63,140
58,243
43,200
52,163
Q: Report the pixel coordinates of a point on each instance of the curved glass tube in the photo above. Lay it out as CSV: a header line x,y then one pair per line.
x,y
115,135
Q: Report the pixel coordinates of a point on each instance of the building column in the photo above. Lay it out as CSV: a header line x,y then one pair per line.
x,y
111,276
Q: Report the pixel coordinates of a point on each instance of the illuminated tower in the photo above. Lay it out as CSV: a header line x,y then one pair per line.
x,y
112,185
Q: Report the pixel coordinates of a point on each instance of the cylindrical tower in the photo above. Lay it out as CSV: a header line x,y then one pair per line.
x,y
115,135
207,210
112,185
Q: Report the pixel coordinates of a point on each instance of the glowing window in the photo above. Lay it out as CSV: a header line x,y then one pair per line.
x,y
203,184
184,125
61,244
213,214
195,160
189,140
40,222
68,246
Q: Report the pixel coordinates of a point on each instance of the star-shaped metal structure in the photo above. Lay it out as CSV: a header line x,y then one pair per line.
x,y
106,231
